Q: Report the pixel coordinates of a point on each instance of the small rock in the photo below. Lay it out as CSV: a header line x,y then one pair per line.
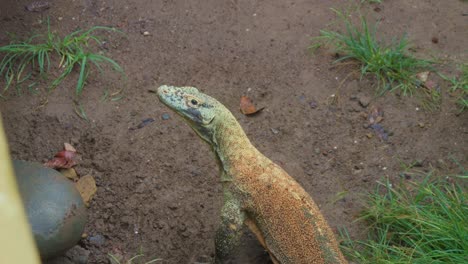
x,y
274,131
421,124
37,6
313,104
369,135
173,206
422,76
364,101
97,240
166,116
317,151
146,33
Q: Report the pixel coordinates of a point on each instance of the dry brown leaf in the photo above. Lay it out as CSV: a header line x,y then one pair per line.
x,y
247,107
69,173
422,76
69,147
375,115
62,160
86,185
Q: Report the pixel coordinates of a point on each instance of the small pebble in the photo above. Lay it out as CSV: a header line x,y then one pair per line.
x,y
313,104
364,101
146,33
97,240
275,131
166,116
421,125
37,6
173,206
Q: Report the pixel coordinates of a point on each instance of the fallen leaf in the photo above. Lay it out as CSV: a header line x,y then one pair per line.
x,y
375,115
422,76
69,173
62,160
247,107
69,147
431,85
86,186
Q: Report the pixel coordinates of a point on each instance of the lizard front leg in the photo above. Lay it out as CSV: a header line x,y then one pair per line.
x,y
230,231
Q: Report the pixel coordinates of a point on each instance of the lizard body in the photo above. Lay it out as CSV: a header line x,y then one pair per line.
x,y
257,192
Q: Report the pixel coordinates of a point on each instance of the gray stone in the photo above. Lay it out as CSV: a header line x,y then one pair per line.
x,y
97,240
364,100
166,116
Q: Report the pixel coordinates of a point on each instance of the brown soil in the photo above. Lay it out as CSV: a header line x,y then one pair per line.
x,y
158,189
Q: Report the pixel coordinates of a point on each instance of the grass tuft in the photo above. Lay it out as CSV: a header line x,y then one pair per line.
x,y
459,86
21,59
392,66
414,223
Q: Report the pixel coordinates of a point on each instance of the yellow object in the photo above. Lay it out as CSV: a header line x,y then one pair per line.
x,y
16,240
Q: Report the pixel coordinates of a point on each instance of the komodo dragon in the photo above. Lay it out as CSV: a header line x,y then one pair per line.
x,y
257,192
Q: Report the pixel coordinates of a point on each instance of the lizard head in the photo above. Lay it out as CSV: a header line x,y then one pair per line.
x,y
197,109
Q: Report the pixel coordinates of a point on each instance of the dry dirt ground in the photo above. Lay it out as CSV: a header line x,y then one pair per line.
x,y
158,186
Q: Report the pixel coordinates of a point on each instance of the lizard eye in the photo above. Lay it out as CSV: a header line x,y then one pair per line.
x,y
193,102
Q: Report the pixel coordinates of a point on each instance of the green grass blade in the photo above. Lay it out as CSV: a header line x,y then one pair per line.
x,y
83,75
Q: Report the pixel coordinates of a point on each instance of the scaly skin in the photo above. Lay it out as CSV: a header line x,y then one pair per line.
x,y
257,192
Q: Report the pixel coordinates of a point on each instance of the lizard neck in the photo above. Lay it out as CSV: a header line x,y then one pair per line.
x,y
231,146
